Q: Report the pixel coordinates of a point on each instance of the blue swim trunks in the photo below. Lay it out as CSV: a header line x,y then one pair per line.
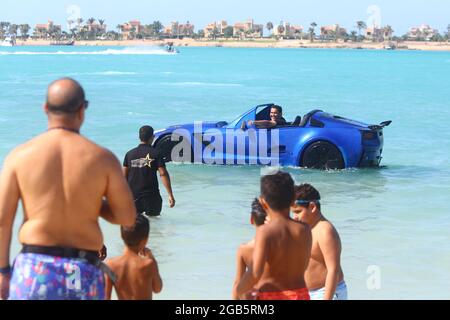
x,y
44,277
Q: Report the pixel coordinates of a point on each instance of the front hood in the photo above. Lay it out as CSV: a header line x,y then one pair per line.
x,y
204,125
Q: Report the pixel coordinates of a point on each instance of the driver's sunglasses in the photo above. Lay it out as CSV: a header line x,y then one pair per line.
x,y
86,104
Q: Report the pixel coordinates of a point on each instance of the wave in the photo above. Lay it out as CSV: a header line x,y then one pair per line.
x,y
124,51
202,84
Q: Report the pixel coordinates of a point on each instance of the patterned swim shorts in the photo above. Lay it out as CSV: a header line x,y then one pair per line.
x,y
44,277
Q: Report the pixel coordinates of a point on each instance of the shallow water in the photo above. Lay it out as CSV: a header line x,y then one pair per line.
x,y
394,217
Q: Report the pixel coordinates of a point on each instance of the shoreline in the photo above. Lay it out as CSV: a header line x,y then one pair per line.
x,y
260,43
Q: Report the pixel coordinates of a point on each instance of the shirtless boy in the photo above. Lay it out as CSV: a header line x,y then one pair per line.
x,y
324,276
245,251
137,270
282,246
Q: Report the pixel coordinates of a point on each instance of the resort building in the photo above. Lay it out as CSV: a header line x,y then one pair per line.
x,y
179,30
332,32
216,29
379,34
96,27
248,29
423,32
131,29
44,31
287,31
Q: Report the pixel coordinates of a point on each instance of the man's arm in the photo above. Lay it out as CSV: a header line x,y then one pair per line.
x,y
9,198
331,249
255,272
125,172
240,271
157,283
263,124
165,177
119,206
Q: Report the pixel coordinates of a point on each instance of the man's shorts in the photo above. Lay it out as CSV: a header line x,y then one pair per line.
x,y
45,277
150,205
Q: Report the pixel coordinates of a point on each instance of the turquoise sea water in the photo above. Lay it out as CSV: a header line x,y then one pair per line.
x,y
395,218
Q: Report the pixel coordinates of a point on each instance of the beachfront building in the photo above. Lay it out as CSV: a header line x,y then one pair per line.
x,y
96,28
287,31
179,30
248,29
131,29
216,29
332,32
46,31
379,34
422,33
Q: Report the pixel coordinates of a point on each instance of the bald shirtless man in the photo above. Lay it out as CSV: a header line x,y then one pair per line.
x,y
65,183
282,246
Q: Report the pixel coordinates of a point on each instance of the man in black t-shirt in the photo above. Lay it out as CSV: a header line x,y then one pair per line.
x,y
139,167
276,119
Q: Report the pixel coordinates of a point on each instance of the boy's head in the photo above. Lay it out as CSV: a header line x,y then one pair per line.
x,y
277,191
137,234
307,203
258,217
146,134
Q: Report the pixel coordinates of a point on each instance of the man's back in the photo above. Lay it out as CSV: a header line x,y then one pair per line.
x,y
135,277
288,251
62,178
142,163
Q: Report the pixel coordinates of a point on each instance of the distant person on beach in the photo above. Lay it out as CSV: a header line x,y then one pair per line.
x,y
139,167
282,246
65,183
276,119
137,269
245,251
324,276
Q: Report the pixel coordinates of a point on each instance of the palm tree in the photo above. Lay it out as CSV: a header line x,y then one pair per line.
x,y
361,25
312,31
448,33
91,21
388,31
353,36
228,32
281,29
24,29
101,22
269,26
158,27
13,29
214,32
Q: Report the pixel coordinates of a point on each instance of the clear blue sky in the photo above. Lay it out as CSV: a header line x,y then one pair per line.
x,y
400,14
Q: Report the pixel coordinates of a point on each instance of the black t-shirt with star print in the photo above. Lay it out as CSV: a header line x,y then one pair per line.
x,y
143,163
